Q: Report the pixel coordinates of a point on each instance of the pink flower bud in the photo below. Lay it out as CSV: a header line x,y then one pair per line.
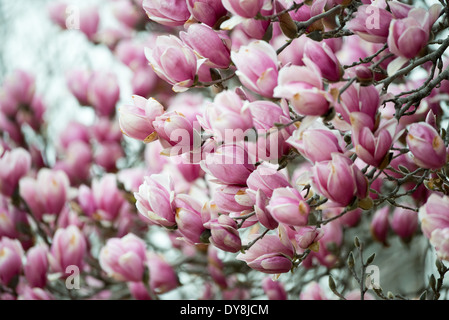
x,y
68,248
107,197
155,200
303,87
11,253
263,214
162,276
127,13
206,11
229,164
188,218
371,22
365,75
57,13
267,179
271,254
47,194
173,62
257,67
380,225
36,266
322,56
20,85
307,237
76,163
175,130
288,206
357,98
107,153
12,220
224,234
274,289
168,13
245,9
226,117
103,92
433,215
136,121
14,165
124,259
225,197
372,147
426,145
266,114
208,43
409,35
89,22
74,132
317,144
404,223
339,180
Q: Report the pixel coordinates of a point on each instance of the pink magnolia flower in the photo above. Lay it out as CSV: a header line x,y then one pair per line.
x,y
89,22
303,87
230,198
257,67
10,218
224,234
11,253
404,223
206,11
288,206
136,121
155,200
103,92
176,133
229,164
267,179
426,145
433,214
107,198
262,213
68,248
317,143
169,13
409,35
124,259
274,289
47,194
188,218
226,117
174,62
372,147
339,180
358,98
371,22
14,165
308,237
36,266
210,44
380,225
271,254
323,57
20,85
163,277
440,240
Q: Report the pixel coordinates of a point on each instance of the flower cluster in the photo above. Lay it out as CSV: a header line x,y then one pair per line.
x,y
268,134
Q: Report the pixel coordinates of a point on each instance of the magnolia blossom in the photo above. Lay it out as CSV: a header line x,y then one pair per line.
x,y
257,67
173,61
